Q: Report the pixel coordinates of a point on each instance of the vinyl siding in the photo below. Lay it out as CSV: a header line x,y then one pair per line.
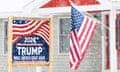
x,y
4,56
91,62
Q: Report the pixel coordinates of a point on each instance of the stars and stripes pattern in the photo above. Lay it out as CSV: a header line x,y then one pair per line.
x,y
22,28
81,35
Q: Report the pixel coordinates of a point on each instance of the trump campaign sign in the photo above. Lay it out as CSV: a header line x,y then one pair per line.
x,y
30,40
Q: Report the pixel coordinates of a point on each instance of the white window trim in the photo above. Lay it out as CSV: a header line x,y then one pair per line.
x,y
3,22
59,36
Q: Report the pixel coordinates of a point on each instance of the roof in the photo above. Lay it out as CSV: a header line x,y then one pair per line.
x,y
65,3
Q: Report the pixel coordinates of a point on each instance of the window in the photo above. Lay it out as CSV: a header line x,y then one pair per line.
x,y
107,42
64,35
5,36
118,23
117,41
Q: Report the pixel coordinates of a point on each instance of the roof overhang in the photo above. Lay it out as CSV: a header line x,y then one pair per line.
x,y
39,7
103,5
66,3
68,9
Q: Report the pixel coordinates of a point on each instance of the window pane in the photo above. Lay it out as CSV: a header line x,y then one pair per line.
x,y
64,35
119,32
5,36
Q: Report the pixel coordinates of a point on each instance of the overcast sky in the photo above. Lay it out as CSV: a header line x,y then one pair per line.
x,y
12,5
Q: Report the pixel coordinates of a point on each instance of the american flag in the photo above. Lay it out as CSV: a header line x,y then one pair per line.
x,y
81,35
22,28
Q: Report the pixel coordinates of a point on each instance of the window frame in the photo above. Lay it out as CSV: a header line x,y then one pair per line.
x,y
117,34
59,52
5,36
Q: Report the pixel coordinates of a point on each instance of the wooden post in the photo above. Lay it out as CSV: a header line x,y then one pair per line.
x,y
51,46
10,45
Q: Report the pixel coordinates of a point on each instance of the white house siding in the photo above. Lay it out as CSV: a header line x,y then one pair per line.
x,y
3,55
24,69
92,61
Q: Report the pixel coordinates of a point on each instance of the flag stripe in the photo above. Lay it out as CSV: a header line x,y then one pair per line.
x,y
28,30
71,64
40,35
88,39
86,35
75,43
34,24
44,32
75,48
83,28
72,56
75,53
30,22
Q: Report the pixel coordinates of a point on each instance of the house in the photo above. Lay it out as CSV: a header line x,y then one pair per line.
x,y
99,57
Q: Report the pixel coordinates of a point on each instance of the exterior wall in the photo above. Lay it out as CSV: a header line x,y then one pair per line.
x,y
60,61
4,56
92,61
24,69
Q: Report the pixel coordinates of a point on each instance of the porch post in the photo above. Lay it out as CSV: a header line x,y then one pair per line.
x,y
112,41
